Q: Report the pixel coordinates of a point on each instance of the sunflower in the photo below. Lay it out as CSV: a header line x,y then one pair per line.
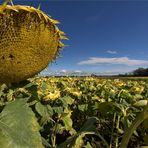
x,y
29,41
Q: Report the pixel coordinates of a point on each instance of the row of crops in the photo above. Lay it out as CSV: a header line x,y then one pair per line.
x,y
74,112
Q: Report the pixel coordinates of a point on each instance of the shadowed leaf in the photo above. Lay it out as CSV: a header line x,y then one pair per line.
x,y
18,126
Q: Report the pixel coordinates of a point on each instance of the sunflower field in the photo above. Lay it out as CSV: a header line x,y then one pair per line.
x,y
74,112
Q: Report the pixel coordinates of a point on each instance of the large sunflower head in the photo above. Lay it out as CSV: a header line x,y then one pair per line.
x,y
29,41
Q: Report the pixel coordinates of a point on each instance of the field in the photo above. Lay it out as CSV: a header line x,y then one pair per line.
x,y
75,112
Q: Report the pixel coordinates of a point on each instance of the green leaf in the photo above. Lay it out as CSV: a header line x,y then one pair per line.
x,y
89,125
109,108
45,143
5,2
137,97
139,119
120,130
3,87
141,103
58,110
76,140
67,100
83,107
79,140
1,104
10,95
58,128
32,89
43,110
145,124
88,145
146,139
19,127
66,118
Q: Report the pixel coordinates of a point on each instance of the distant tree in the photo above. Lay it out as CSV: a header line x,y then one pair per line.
x,y
141,72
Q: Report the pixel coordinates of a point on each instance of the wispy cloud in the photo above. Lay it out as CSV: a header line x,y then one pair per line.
x,y
119,60
63,70
111,51
77,71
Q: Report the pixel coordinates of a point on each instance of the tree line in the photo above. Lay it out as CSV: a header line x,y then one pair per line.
x,y
140,72
137,72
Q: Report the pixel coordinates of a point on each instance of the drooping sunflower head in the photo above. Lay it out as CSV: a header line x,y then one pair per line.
x,y
29,41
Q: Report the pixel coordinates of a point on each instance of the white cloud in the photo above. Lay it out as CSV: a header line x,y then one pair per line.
x,y
63,70
78,71
111,51
120,60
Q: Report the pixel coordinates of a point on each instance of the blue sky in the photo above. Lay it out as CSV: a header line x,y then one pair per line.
x,y
104,36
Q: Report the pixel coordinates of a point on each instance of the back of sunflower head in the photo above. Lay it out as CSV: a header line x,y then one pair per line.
x,y
29,41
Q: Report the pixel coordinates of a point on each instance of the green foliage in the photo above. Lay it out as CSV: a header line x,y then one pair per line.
x,y
18,126
74,112
140,118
